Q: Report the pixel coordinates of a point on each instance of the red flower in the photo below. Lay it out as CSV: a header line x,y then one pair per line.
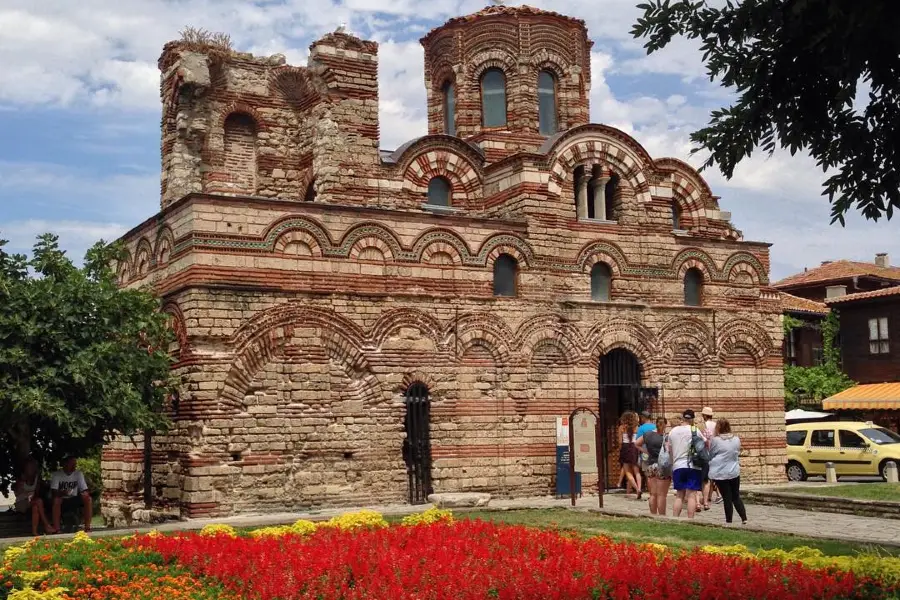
x,y
478,560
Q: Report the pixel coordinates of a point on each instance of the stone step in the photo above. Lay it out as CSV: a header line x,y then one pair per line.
x,y
460,500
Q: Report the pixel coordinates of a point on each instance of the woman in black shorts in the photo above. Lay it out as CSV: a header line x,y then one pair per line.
x,y
628,452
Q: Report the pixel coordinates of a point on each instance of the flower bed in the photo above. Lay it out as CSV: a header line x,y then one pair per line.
x,y
431,557
104,569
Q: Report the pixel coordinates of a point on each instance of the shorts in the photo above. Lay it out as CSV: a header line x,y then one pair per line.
x,y
705,474
72,503
628,454
687,479
654,471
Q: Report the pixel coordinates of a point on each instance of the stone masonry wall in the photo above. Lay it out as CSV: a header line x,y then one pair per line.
x,y
293,393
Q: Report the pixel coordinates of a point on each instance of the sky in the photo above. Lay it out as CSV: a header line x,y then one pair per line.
x,y
79,111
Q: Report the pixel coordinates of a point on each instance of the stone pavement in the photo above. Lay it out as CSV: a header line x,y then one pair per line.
x,y
868,530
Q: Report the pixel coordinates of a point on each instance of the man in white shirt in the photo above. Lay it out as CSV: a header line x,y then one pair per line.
x,y
686,480
70,492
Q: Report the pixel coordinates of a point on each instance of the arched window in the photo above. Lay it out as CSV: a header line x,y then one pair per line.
x,y
546,103
601,280
439,192
449,91
611,197
310,195
693,287
493,98
506,273
676,216
240,152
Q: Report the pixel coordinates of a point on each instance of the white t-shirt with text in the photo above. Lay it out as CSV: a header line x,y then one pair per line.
x,y
680,438
70,484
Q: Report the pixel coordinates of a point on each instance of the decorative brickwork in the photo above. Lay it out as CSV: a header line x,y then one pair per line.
x,y
301,321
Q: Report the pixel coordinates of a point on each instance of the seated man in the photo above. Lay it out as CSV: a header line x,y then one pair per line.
x,y
70,492
28,490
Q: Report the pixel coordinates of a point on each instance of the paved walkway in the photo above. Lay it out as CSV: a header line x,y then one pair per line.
x,y
760,518
772,519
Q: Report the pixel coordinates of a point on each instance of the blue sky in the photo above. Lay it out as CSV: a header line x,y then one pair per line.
x,y
79,111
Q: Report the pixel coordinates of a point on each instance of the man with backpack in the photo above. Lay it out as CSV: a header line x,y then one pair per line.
x,y
689,455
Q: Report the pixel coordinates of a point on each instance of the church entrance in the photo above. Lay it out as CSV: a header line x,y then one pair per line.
x,y
620,390
417,445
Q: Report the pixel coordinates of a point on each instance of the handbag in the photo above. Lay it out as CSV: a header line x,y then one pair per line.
x,y
664,460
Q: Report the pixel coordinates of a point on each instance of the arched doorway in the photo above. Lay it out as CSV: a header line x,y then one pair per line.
x,y
417,445
619,380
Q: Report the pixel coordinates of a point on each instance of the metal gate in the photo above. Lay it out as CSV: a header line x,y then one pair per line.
x,y
619,381
417,446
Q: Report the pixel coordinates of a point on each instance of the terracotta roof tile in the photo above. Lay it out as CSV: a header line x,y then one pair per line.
x,y
791,303
884,293
837,270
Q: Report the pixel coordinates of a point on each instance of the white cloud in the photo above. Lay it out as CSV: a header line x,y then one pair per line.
x,y
75,237
48,188
401,91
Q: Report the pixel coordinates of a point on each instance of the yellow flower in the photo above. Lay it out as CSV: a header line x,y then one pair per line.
x,y
29,594
81,538
432,515
216,529
735,550
272,531
32,578
658,548
357,520
13,552
303,527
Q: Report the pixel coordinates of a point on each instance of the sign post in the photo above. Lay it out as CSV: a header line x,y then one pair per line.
x,y
564,481
584,448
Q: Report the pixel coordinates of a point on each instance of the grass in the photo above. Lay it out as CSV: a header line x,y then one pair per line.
x,y
682,535
886,492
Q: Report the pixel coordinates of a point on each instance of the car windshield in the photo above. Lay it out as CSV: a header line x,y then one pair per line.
x,y
880,435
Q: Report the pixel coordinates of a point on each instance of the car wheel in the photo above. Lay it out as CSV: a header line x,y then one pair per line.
x,y
795,472
882,469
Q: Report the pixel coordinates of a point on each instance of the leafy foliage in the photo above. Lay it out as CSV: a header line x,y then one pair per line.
x,y
823,380
790,323
797,68
80,359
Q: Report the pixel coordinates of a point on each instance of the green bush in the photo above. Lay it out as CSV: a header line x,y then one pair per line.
x,y
91,468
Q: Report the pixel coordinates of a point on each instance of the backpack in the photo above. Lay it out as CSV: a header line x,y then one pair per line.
x,y
698,453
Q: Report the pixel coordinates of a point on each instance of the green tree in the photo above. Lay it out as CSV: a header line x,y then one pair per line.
x,y
80,359
820,381
796,66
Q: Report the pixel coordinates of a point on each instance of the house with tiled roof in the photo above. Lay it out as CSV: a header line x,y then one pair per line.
x,y
802,345
803,298
839,277
870,352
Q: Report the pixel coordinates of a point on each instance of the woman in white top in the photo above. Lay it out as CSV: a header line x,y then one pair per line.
x,y
725,469
28,490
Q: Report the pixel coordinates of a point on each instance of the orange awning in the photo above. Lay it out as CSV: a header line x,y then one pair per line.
x,y
871,396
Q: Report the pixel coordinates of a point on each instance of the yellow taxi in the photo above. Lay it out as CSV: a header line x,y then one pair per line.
x,y
855,448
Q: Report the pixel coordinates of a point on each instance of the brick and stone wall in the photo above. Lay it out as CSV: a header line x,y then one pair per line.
x,y
300,324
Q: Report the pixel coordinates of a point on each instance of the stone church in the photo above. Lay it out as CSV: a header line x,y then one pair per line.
x,y
359,325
